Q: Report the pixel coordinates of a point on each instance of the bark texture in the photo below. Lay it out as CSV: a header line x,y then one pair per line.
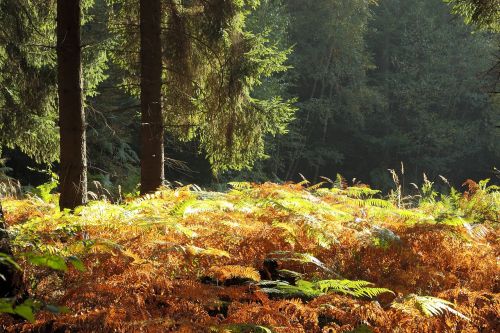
x,y
73,174
152,153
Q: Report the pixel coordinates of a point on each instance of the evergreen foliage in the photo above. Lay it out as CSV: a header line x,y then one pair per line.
x,y
28,97
434,101
484,13
28,109
212,65
397,81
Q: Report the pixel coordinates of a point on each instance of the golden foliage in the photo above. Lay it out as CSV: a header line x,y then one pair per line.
x,y
223,273
147,261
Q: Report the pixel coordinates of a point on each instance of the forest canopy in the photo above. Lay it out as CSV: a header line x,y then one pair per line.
x,y
275,88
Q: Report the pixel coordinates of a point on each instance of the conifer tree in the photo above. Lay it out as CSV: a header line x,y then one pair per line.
x,y
484,13
73,174
29,103
152,160
211,65
28,108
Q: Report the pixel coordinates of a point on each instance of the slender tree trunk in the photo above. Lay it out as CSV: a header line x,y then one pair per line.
x,y
11,279
73,174
152,154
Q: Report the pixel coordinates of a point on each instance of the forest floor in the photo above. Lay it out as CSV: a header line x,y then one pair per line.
x,y
262,258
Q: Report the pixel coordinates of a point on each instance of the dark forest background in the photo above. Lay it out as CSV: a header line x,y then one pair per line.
x,y
377,86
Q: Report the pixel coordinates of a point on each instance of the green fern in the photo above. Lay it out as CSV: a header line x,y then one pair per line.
x,y
55,262
308,290
44,191
194,206
380,203
360,192
28,307
357,288
316,186
180,208
412,216
302,289
241,185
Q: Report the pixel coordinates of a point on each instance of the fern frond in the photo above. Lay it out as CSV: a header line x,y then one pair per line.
x,y
137,260
304,180
223,273
308,290
316,186
180,208
357,288
104,245
194,206
427,305
195,250
478,231
151,196
380,203
360,192
304,290
6,259
415,216
304,258
240,185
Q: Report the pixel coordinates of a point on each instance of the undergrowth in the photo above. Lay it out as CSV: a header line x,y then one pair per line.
x,y
261,258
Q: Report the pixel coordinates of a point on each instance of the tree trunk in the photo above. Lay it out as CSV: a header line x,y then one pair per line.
x,y
73,173
11,279
152,155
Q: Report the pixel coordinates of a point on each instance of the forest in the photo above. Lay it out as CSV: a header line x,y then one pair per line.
x,y
249,166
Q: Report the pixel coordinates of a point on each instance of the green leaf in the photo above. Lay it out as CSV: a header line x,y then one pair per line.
x,y
25,311
51,261
6,306
4,258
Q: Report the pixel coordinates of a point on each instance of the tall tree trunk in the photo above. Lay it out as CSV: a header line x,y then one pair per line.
x,y
73,174
11,279
152,155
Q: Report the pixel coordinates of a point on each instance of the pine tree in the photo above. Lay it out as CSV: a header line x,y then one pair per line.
x,y
211,66
73,174
28,109
29,102
483,13
152,154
